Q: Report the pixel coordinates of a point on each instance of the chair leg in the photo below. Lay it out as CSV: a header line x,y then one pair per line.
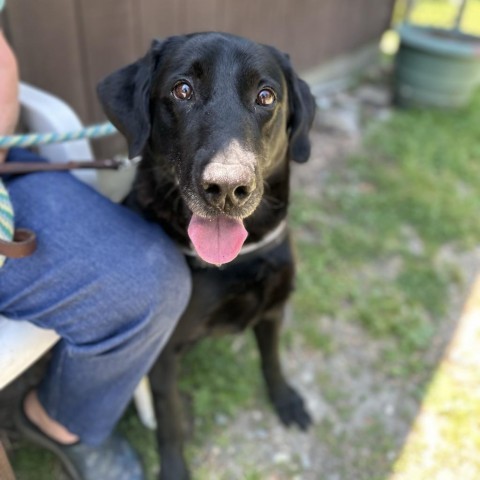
x,y
144,403
6,472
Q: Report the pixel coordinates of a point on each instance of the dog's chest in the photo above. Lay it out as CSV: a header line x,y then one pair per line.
x,y
235,297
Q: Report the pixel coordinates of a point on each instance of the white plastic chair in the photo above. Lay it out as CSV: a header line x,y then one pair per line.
x,y
22,343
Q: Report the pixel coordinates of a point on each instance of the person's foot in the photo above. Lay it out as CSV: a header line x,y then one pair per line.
x,y
115,459
35,412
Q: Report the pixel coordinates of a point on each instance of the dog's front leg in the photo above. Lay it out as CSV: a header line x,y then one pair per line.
x,y
168,411
288,403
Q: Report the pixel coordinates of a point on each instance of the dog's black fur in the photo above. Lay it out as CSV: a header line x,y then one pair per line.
x,y
177,138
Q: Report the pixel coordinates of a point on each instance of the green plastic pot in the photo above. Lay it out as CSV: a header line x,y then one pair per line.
x,y
436,67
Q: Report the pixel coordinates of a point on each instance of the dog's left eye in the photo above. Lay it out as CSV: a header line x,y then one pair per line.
x,y
265,97
182,91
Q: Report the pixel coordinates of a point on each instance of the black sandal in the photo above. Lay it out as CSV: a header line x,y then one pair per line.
x,y
114,459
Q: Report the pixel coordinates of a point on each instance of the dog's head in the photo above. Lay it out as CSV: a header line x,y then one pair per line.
x,y
223,113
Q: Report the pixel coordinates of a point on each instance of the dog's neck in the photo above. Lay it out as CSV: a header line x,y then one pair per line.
x,y
157,195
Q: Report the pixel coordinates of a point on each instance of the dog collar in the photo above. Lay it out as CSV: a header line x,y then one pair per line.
x,y
270,240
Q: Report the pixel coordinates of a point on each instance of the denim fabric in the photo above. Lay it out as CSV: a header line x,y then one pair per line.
x,y
110,283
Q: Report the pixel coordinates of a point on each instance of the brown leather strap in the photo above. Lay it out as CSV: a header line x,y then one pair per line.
x,y
16,168
24,241
24,244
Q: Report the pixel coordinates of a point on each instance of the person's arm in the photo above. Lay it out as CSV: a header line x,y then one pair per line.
x,y
9,81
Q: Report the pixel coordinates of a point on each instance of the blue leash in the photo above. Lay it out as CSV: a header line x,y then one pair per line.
x,y
35,139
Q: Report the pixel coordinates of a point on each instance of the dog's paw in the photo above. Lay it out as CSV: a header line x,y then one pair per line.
x,y
291,409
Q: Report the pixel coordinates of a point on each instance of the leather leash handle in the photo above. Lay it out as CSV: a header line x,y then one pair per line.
x,y
17,168
25,241
24,244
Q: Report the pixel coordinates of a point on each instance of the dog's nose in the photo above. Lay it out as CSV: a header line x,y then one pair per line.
x,y
227,185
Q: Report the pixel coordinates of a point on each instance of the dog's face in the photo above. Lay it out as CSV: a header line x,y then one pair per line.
x,y
223,113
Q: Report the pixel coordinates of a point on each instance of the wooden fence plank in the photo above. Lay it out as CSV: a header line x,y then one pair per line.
x,y
66,46
47,42
262,20
198,16
158,19
110,40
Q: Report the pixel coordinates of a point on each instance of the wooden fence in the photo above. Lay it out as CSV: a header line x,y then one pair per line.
x,y
66,46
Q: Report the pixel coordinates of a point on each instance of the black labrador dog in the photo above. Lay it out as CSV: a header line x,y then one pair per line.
x,y
217,119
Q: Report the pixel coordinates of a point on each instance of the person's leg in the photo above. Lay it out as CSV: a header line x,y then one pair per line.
x,y
111,284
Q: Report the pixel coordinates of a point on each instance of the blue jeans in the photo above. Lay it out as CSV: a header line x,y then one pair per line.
x,y
110,283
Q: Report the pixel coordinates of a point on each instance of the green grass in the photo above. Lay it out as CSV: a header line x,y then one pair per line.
x,y
381,224
31,463
212,374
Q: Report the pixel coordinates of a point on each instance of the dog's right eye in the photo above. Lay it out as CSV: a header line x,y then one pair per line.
x,y
265,97
182,91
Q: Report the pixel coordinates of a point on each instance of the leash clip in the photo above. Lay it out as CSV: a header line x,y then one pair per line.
x,y
124,162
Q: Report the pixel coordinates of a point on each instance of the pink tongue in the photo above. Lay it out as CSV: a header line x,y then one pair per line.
x,y
217,240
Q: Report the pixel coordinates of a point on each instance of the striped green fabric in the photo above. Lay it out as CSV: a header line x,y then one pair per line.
x,y
6,218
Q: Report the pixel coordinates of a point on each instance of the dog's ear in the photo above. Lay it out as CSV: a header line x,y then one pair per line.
x,y
125,98
302,108
302,112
